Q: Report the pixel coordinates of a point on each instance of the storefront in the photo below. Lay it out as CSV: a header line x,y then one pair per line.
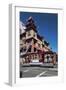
x,y
44,57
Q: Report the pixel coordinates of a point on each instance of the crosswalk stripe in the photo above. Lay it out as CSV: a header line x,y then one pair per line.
x,y
41,74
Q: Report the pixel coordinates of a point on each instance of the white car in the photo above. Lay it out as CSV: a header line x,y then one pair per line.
x,y
36,62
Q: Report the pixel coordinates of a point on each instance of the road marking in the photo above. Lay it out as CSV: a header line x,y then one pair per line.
x,y
41,74
26,71
53,69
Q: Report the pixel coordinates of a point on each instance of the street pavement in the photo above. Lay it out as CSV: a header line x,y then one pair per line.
x,y
38,71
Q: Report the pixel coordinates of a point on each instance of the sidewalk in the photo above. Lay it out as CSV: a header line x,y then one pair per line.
x,y
47,65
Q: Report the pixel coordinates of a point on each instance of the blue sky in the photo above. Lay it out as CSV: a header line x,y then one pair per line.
x,y
47,26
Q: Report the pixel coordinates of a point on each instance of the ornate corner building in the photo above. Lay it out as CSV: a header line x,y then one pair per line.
x,y
33,47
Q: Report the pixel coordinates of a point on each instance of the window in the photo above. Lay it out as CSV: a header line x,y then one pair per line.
x,y
23,49
29,50
29,33
34,49
38,45
35,56
43,45
34,34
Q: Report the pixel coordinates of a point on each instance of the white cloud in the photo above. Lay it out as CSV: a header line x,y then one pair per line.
x,y
22,27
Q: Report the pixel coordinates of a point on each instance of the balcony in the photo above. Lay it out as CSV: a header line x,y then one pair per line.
x,y
21,42
23,38
31,36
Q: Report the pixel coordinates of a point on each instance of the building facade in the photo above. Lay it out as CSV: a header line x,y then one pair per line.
x,y
33,47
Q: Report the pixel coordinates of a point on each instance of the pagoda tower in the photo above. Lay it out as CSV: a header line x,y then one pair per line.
x,y
31,33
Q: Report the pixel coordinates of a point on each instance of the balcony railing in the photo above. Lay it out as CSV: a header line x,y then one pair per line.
x,y
23,38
